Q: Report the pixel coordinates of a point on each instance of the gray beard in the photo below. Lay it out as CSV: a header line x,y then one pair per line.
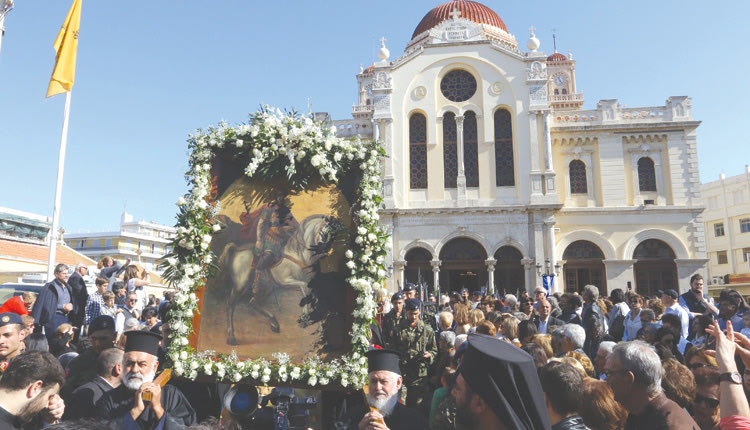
x,y
383,405
133,381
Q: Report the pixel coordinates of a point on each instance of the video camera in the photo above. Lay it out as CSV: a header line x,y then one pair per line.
x,y
280,410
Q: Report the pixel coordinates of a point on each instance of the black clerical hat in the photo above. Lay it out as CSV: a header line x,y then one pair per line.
x,y
144,341
382,359
505,377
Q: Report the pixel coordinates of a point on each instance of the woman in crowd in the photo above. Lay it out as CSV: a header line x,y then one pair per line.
x,y
695,358
137,282
461,318
633,318
600,411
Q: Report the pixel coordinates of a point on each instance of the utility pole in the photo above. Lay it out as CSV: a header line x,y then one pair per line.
x,y
5,7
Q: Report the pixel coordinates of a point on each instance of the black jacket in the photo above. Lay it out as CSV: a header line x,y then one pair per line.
x,y
570,423
79,298
46,304
551,321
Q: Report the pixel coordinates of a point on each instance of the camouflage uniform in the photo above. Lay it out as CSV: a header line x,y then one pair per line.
x,y
389,325
428,315
412,342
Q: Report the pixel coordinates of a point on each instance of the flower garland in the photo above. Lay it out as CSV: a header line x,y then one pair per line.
x,y
274,144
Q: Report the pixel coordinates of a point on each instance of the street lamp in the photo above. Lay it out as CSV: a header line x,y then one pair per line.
x,y
549,269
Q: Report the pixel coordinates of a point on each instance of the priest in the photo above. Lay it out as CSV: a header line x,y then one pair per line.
x,y
168,408
384,412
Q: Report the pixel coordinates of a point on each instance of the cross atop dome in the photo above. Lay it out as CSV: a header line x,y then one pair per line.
x,y
455,14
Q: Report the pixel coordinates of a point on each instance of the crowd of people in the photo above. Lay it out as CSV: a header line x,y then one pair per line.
x,y
466,361
625,361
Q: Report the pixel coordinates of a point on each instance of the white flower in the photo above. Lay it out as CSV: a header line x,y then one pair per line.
x,y
202,204
216,227
183,355
349,253
265,378
220,373
350,264
181,201
254,374
312,381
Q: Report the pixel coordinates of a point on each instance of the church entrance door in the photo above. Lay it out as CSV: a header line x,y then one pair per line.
x,y
584,265
463,265
509,272
418,270
655,268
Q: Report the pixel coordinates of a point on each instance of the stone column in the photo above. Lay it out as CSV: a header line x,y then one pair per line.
x,y
375,129
547,144
436,277
618,274
461,179
531,279
687,268
490,262
535,172
399,266
550,224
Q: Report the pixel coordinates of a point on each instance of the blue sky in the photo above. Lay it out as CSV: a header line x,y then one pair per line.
x,y
150,73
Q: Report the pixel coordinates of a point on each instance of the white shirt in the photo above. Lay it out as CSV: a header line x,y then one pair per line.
x,y
684,317
141,293
632,326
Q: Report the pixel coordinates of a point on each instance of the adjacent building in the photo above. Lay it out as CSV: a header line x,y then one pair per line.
x,y
145,243
495,176
727,218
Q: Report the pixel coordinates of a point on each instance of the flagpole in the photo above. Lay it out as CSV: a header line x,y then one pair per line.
x,y
58,188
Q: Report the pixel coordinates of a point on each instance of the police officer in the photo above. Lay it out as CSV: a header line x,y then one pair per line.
x,y
415,341
393,318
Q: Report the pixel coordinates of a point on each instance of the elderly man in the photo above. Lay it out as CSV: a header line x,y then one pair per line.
x,y
543,320
593,320
385,411
80,293
497,387
55,303
573,339
634,373
12,333
128,311
416,342
83,367
600,361
109,376
20,305
168,408
28,391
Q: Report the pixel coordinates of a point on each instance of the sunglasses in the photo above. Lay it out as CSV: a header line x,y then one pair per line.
x,y
711,403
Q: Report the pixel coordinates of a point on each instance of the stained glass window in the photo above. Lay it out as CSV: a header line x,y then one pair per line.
x,y
471,154
578,177
646,174
458,85
582,249
450,157
504,174
418,151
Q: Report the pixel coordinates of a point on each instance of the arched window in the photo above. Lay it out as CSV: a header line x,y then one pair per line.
x,y
471,154
450,157
504,175
557,91
564,91
418,151
646,174
577,170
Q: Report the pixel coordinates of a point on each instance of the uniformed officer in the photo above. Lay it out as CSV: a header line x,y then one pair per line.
x,y
11,338
415,341
393,318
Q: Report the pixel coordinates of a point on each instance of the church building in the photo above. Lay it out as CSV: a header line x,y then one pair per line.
x,y
495,176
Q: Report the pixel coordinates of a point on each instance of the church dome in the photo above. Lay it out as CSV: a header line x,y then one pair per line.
x,y
471,10
557,57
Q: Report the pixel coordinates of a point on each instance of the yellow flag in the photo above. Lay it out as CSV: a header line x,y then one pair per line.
x,y
66,46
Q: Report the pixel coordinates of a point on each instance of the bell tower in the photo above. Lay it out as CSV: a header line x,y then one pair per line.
x,y
562,91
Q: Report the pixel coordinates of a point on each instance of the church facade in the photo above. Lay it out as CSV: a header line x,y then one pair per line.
x,y
495,176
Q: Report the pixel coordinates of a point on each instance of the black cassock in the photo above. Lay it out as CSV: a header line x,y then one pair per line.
x,y
116,404
402,418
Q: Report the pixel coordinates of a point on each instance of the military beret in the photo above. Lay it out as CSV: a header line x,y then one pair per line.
x,y
409,287
476,293
10,318
464,290
413,304
102,322
398,296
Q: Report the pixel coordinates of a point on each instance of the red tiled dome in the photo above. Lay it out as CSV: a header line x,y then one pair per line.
x,y
557,57
469,9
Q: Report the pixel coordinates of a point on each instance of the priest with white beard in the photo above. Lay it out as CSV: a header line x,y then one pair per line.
x,y
168,408
385,411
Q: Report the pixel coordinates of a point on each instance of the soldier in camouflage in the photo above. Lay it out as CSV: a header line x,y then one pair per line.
x,y
415,341
393,318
